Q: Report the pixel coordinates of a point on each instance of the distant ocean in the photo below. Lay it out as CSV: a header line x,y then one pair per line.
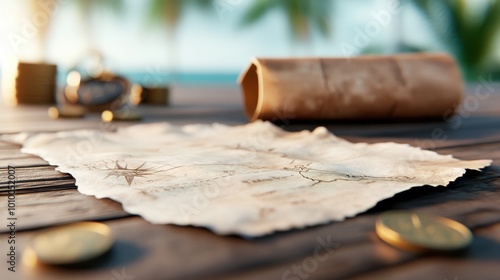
x,y
164,78
195,78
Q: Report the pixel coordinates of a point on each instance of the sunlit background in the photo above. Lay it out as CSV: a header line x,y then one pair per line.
x,y
211,41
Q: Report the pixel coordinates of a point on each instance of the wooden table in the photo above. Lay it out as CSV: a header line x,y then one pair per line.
x,y
46,197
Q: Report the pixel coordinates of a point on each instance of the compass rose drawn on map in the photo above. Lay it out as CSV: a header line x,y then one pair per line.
x,y
131,173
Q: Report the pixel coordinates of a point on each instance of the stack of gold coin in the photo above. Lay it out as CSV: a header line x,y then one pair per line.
x,y
421,232
156,96
32,83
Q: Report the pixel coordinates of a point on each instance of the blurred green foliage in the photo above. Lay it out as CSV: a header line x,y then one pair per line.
x,y
86,6
303,16
170,11
469,34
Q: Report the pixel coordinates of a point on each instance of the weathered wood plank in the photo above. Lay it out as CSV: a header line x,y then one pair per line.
x,y
359,252
13,156
35,174
481,214
471,152
24,162
7,145
41,186
43,209
166,250
12,152
149,251
45,178
153,250
480,262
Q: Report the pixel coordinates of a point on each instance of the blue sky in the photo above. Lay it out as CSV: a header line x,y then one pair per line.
x,y
203,42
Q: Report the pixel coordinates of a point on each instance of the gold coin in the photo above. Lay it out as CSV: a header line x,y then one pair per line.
x,y
72,244
421,232
66,111
121,115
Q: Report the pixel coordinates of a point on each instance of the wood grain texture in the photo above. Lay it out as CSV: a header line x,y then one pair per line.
x,y
193,253
47,207
11,154
47,197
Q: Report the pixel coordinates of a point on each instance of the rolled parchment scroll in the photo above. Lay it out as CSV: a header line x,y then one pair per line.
x,y
397,87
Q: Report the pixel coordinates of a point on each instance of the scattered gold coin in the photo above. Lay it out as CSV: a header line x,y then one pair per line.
x,y
71,244
67,111
121,115
421,232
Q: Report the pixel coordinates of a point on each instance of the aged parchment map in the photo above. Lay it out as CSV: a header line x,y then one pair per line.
x,y
250,180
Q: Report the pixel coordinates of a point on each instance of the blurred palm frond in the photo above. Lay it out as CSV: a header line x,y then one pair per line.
x,y
469,36
86,6
303,16
170,11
